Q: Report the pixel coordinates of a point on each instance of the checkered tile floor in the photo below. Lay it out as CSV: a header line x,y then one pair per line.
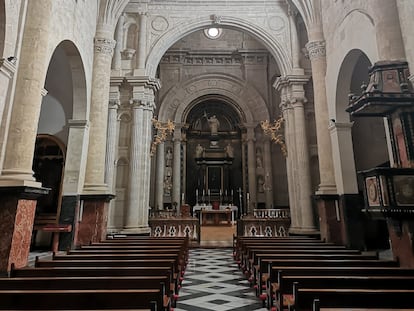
x,y
213,282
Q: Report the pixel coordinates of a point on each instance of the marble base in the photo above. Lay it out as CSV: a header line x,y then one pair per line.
x,y
401,234
17,211
136,231
91,226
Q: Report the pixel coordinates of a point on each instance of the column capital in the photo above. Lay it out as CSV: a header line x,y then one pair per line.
x,y
142,103
104,45
146,82
114,103
316,49
8,66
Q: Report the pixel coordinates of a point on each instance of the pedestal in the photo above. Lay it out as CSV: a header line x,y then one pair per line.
x,y
92,221
331,219
17,210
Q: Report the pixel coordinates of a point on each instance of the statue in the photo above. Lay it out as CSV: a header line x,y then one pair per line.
x,y
199,151
169,157
213,123
229,151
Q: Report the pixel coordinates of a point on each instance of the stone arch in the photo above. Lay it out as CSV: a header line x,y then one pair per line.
x,y
183,29
2,27
347,40
65,81
244,98
346,80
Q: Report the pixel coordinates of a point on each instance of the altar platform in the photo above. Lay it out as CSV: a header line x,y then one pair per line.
x,y
203,211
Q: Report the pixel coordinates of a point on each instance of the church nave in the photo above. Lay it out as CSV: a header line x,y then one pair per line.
x,y
214,282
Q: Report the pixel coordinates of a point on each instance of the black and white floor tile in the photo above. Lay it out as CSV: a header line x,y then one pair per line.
x,y
213,282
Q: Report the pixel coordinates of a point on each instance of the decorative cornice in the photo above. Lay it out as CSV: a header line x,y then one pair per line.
x,y
215,59
104,46
145,81
316,49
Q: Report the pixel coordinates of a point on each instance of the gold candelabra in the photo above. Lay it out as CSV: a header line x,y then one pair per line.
x,y
162,129
275,131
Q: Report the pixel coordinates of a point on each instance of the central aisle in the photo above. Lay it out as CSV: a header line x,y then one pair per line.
x,y
213,282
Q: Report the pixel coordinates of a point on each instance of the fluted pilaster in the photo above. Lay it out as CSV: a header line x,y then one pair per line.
x,y
95,169
160,171
317,56
251,160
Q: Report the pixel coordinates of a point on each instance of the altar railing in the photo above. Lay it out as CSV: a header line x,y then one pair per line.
x,y
271,213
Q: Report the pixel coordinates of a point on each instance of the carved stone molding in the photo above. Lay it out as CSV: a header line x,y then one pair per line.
x,y
104,46
316,49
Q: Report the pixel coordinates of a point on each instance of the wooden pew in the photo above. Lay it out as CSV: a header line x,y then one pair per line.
x,y
350,298
259,270
285,291
81,299
91,283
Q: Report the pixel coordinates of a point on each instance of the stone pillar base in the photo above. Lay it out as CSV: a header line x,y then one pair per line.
x,y
331,219
17,211
402,244
91,225
304,231
144,230
69,214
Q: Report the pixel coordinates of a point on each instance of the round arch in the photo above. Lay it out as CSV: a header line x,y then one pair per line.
x,y
353,71
2,27
243,97
178,32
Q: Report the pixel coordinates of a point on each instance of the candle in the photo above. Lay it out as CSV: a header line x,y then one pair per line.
x,y
182,197
231,192
248,196
196,192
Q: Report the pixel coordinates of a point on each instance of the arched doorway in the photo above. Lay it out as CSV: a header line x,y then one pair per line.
x,y
214,171
368,147
61,134
48,165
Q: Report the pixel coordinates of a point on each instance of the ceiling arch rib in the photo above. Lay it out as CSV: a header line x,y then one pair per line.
x,y
279,52
244,97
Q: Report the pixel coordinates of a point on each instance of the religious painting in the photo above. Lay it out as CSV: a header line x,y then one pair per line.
x,y
214,178
404,190
371,184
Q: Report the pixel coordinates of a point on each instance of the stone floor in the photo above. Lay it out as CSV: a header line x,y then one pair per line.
x,y
213,282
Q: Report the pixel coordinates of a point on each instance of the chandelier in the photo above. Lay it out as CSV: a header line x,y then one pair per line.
x,y
162,129
275,132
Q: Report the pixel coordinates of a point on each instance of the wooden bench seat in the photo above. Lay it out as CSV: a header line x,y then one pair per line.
x,y
81,299
284,290
83,283
349,298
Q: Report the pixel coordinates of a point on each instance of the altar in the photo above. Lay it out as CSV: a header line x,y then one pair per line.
x,y
197,210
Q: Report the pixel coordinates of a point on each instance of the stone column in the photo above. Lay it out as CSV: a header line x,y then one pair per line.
x,y
18,189
268,178
243,209
176,193
405,12
388,30
95,169
142,41
304,189
251,160
184,161
111,152
7,90
75,166
288,116
119,32
137,205
317,56
32,68
345,172
137,208
292,168
160,171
